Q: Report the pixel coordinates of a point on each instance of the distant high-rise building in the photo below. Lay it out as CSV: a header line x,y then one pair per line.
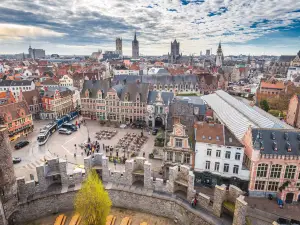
x,y
219,57
175,46
207,52
135,47
36,53
119,46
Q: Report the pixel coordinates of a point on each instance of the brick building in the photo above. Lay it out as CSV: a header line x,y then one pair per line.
x,y
6,97
17,118
56,103
34,102
272,155
119,103
178,150
293,117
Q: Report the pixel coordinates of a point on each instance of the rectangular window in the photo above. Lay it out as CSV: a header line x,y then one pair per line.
x,y
207,165
218,153
227,155
276,171
170,156
208,152
290,171
187,158
237,156
273,186
236,169
178,143
226,168
260,185
217,166
178,157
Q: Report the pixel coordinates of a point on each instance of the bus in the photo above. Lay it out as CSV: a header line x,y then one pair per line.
x,y
46,132
69,126
73,115
62,120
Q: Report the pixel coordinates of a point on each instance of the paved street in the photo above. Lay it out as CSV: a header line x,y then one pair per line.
x,y
63,146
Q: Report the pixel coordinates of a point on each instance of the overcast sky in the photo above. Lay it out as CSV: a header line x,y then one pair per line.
x,y
83,26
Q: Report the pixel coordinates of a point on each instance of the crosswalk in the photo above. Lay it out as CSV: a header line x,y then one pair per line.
x,y
34,164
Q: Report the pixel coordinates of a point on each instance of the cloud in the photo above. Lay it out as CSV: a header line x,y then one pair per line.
x,y
195,23
13,31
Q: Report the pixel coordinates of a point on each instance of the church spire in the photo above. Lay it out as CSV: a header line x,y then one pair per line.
x,y
135,36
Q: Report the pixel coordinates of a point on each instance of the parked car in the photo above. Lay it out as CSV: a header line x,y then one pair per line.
x,y
64,131
154,131
21,144
16,160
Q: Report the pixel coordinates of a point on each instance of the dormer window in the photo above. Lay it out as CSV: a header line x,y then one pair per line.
x,y
298,137
259,135
230,139
275,146
288,147
286,136
126,97
273,135
87,93
262,146
218,138
99,94
203,137
209,137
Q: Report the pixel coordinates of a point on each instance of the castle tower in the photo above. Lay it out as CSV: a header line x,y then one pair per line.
x,y
119,46
8,185
135,47
219,58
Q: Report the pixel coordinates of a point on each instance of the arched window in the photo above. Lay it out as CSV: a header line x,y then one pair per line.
x,y
262,170
290,171
276,171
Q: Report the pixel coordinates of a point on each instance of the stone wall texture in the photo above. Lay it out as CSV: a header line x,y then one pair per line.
x,y
140,200
240,211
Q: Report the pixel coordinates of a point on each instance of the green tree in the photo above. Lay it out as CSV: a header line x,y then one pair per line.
x,y
92,202
264,105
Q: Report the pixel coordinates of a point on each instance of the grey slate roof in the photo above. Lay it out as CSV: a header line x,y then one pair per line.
x,y
166,96
155,79
286,58
94,86
9,83
266,140
196,101
133,89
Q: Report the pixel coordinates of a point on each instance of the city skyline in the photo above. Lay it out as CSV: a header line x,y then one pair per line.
x,y
83,27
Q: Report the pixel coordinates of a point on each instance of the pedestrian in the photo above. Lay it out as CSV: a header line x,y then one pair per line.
x,y
79,125
117,153
144,154
149,132
115,163
81,153
76,123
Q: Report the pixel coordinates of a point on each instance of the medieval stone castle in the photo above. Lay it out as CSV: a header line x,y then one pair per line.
x,y
135,188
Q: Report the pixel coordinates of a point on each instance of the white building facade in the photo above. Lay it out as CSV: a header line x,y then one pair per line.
x,y
126,72
66,81
16,86
219,157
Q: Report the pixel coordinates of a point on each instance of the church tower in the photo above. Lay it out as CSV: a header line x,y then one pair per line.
x,y
119,46
174,51
220,57
135,47
30,52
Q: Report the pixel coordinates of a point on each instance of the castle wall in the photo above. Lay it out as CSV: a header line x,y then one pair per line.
x,y
130,199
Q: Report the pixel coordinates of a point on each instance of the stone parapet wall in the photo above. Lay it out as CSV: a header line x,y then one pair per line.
x,y
129,198
203,200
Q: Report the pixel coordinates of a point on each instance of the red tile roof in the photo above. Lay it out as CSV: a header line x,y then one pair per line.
x,y
277,85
